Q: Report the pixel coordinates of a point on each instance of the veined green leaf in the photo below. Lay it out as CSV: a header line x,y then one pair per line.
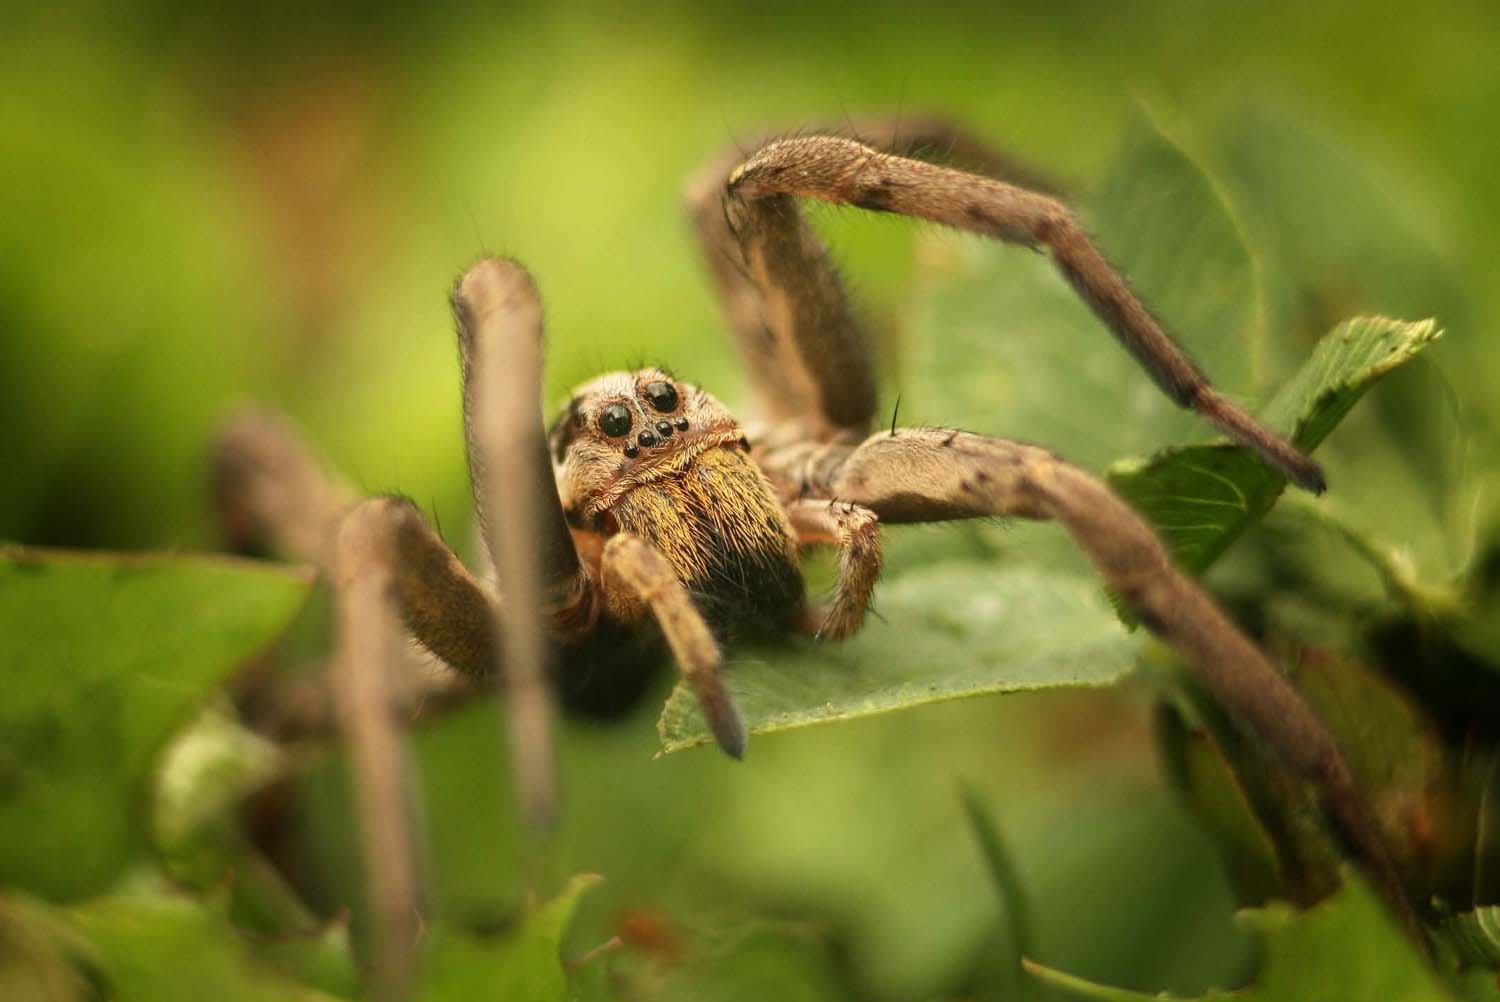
x,y
1201,497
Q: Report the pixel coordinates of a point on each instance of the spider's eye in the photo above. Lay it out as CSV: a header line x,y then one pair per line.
x,y
614,421
663,395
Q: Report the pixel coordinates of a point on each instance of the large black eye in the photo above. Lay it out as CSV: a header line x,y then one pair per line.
x,y
663,395
614,421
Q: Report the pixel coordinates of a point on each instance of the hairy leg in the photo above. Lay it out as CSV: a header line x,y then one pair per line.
x,y
931,474
499,320
856,533
273,494
367,566
796,281
797,332
789,359
637,581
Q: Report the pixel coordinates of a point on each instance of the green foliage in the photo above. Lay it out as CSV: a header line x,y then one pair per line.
x,y
104,657
949,630
1344,948
1202,497
521,964
163,947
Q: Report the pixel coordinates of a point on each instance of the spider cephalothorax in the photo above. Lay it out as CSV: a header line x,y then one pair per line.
x,y
642,453
644,515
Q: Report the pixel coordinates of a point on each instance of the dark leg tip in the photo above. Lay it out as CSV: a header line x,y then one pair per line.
x,y
1307,475
729,732
723,717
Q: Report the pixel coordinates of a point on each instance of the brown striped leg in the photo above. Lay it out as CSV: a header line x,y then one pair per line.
x,y
789,267
638,581
274,494
856,533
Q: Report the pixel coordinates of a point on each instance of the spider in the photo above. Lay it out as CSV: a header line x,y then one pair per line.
x,y
646,522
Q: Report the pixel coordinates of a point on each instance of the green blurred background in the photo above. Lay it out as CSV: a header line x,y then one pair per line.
x,y
208,204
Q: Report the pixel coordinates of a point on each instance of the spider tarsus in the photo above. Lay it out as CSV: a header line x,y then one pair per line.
x,y
723,717
1273,449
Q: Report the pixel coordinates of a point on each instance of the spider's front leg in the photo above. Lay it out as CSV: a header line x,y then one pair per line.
x,y
935,474
636,581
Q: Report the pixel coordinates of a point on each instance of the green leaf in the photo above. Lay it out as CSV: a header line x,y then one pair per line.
x,y
1474,934
1199,770
1016,920
103,657
1396,754
949,630
1345,948
525,964
157,947
786,961
1201,497
1346,363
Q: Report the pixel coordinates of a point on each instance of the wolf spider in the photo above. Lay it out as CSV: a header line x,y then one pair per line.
x,y
646,521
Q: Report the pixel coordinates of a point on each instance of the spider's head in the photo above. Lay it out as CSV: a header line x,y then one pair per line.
x,y
628,428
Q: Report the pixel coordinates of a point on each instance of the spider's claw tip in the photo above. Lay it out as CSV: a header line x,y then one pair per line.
x,y
723,716
729,732
1309,476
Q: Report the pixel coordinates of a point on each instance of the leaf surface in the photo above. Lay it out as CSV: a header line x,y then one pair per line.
x,y
103,656
950,630
523,964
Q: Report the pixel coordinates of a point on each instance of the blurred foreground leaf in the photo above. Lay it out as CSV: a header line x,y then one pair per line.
x,y
951,630
210,767
157,948
102,658
523,964
43,958
1201,497
1345,948
1217,793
